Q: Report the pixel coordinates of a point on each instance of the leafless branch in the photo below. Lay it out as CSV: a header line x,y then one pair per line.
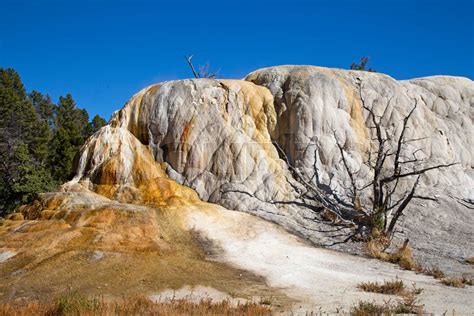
x,y
190,63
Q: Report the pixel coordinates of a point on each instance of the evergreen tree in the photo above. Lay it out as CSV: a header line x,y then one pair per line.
x,y
44,109
23,145
72,129
38,140
28,178
97,123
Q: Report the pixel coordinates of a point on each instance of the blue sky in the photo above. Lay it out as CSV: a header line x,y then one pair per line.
x,y
104,51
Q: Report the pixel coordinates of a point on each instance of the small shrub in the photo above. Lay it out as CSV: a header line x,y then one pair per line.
x,y
407,304
375,248
435,272
415,290
407,307
403,257
457,282
364,308
369,308
388,287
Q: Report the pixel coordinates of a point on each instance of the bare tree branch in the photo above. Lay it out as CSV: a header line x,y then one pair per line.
x,y
188,59
417,172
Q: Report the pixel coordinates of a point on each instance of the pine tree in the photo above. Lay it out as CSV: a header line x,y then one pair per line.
x,y
23,145
38,140
44,110
28,178
72,129
97,123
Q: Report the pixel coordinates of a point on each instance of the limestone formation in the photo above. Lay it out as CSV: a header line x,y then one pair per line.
x,y
213,136
220,138
313,102
136,201
216,136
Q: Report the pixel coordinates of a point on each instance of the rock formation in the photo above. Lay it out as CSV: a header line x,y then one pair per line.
x,y
216,137
313,102
179,142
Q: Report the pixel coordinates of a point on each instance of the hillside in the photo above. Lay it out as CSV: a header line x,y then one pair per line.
x,y
192,185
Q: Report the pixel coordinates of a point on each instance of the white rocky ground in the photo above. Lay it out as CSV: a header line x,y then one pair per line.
x,y
320,279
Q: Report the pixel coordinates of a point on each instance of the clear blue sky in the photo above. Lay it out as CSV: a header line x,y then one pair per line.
x,y
104,51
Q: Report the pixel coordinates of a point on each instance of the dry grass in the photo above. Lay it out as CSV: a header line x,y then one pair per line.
x,y
364,308
387,287
407,304
74,304
402,257
369,308
435,272
375,248
457,281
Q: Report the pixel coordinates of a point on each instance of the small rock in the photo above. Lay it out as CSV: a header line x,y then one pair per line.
x,y
97,255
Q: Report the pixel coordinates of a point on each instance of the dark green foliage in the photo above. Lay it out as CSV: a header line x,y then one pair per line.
x,y
362,65
72,129
97,123
38,140
30,179
23,145
44,110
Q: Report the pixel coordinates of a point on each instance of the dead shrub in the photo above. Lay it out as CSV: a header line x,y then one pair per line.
x,y
457,281
387,287
407,304
435,272
403,257
364,308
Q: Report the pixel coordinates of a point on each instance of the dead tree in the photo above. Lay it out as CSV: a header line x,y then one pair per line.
x,y
361,211
203,70
381,212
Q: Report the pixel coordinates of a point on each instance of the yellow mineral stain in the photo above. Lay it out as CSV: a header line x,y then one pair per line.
x,y
357,117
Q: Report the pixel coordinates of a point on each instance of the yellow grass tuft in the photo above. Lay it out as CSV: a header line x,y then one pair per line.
x,y
435,272
388,287
407,304
403,256
457,281
74,304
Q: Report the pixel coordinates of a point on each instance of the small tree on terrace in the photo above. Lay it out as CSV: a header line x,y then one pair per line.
x,y
362,65
203,71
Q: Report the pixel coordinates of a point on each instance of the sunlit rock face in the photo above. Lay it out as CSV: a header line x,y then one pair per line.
x,y
215,136
316,106
115,164
135,200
